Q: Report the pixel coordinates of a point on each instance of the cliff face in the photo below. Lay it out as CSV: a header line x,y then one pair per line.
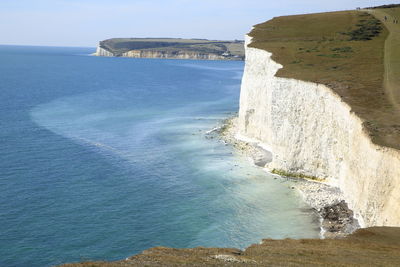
x,y
171,55
166,54
101,52
310,131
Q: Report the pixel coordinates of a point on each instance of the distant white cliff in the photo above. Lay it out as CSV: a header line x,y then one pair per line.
x,y
172,55
312,132
101,52
175,53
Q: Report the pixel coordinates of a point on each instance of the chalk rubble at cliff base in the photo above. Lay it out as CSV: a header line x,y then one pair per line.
x,y
337,219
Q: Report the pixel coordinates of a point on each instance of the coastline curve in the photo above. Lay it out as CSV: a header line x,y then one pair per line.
x,y
312,132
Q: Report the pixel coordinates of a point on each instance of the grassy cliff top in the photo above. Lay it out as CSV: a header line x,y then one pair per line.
x,y
118,46
379,246
345,51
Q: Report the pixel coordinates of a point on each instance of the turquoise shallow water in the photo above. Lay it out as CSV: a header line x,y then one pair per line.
x,y
102,158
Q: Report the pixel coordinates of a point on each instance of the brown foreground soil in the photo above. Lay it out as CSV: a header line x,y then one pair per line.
x,y
378,246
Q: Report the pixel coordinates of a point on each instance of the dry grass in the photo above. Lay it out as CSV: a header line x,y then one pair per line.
x,y
378,246
320,48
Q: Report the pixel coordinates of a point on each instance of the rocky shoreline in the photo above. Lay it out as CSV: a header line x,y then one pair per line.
x,y
337,220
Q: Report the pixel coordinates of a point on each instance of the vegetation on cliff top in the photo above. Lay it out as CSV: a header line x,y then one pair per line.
x,y
343,50
384,6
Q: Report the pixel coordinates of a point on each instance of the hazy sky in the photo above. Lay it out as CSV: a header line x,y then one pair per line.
x,y
85,22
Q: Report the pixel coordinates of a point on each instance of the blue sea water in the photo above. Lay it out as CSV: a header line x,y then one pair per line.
x,y
101,158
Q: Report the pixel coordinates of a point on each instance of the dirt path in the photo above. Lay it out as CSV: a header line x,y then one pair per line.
x,y
392,53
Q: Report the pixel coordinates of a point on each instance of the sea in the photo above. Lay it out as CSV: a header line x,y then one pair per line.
x,y
102,158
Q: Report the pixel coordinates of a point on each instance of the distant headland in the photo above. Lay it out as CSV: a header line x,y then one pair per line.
x,y
171,48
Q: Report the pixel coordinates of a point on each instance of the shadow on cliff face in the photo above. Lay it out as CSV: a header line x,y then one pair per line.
x,y
377,246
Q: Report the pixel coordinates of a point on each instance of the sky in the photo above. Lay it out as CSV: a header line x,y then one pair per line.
x,y
86,22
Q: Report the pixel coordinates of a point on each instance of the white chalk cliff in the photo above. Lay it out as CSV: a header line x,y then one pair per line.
x,y
164,54
101,52
311,131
